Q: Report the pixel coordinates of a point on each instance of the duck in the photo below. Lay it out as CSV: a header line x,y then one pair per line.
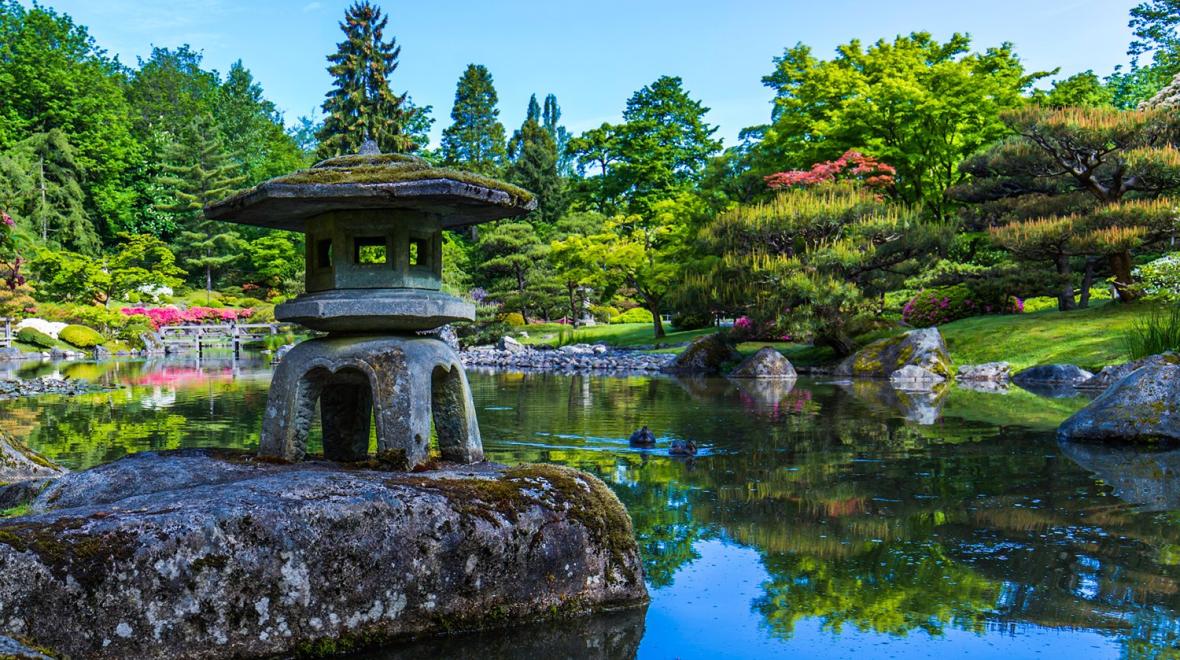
x,y
683,448
643,438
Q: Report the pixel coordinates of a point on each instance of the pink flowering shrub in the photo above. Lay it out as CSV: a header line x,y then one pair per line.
x,y
162,316
746,329
945,304
853,165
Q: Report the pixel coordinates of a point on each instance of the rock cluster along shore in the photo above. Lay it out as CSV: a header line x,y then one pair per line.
x,y
575,358
204,553
17,388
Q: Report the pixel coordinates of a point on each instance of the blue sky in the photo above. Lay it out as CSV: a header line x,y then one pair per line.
x,y
593,55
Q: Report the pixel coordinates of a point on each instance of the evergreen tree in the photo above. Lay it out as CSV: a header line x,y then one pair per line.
x,y
252,128
198,171
361,104
475,138
533,166
56,211
551,116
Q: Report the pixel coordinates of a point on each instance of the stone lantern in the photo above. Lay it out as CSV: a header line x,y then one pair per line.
x,y
373,224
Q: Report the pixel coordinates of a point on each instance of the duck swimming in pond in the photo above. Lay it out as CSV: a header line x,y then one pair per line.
x,y
683,448
643,438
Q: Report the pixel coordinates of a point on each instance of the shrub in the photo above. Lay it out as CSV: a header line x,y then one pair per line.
x,y
1160,279
133,331
633,315
1153,334
81,336
514,319
692,320
35,337
945,304
603,313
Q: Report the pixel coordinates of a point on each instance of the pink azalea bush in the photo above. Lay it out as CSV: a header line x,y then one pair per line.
x,y
162,316
853,165
943,305
745,329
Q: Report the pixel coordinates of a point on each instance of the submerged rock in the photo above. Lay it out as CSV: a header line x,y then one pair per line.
x,y
1052,374
994,372
1142,407
1113,374
705,355
248,558
920,348
766,363
1146,479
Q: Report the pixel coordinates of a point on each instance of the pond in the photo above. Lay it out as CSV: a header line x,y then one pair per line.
x,y
826,519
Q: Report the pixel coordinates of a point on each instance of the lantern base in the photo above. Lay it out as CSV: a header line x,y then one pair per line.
x,y
400,382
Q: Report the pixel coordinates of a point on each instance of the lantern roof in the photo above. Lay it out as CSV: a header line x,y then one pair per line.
x,y
374,181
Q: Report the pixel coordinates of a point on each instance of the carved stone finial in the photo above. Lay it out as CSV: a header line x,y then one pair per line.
x,y
369,147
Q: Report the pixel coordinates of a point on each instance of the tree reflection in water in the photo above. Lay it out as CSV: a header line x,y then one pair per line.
x,y
869,511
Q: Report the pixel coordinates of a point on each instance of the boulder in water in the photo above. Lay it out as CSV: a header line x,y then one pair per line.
x,y
1052,374
915,378
705,355
766,363
993,372
923,348
206,554
1142,407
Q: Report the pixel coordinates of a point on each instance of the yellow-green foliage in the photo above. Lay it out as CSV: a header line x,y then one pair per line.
x,y
81,336
35,337
633,315
514,319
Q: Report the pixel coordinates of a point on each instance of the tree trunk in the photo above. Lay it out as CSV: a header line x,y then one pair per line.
x,y
656,321
573,304
208,284
839,342
1065,296
1120,266
1087,282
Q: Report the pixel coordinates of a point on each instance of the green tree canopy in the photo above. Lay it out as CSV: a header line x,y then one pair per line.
x,y
918,104
361,103
475,139
532,155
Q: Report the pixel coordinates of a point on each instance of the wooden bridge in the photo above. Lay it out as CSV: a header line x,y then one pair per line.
x,y
188,338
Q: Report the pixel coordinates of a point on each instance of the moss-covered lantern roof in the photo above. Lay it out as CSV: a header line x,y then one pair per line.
x,y
374,181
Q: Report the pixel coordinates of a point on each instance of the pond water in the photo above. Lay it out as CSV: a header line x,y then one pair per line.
x,y
823,520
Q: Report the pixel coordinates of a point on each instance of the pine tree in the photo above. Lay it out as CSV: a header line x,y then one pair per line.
x,y
56,210
475,138
361,104
198,171
551,116
533,156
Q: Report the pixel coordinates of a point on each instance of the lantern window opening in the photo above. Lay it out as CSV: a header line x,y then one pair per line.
x,y
323,254
370,250
419,252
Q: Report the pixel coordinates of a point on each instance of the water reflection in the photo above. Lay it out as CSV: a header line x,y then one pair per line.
x,y
821,518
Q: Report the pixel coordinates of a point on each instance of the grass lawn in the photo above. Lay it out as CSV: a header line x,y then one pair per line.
x,y
1090,338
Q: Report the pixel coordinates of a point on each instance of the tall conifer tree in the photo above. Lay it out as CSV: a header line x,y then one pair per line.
x,y
533,166
361,104
198,171
550,119
475,138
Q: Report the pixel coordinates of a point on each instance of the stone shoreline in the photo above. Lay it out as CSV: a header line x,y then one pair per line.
x,y
576,358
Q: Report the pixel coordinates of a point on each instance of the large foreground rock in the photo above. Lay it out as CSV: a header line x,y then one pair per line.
x,y
1142,407
198,554
705,355
766,363
920,348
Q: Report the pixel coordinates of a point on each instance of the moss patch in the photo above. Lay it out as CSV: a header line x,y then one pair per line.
x,y
367,171
66,552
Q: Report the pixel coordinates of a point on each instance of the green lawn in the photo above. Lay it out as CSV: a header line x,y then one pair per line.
x,y
1090,338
